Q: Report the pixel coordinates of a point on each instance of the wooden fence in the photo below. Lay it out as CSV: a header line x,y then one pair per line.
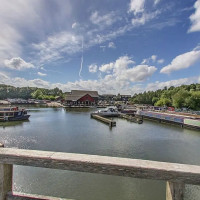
x,y
175,175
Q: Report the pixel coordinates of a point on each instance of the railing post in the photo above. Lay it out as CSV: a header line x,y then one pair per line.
x,y
6,172
175,190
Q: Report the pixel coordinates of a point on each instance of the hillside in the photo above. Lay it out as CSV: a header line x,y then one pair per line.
x,y
187,96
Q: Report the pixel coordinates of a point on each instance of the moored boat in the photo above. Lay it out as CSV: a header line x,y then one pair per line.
x,y
185,120
13,114
109,112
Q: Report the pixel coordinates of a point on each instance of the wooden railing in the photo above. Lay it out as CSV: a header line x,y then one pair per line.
x,y
176,175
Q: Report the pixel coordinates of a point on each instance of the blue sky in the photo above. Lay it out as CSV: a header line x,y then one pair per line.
x,y
111,46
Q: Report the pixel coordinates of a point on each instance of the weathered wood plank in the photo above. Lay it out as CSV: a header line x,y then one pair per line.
x,y
5,180
102,164
175,191
23,196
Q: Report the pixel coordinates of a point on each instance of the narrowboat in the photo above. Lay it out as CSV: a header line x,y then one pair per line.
x,y
185,120
13,114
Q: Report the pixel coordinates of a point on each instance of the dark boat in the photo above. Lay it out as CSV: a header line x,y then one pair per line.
x,y
13,114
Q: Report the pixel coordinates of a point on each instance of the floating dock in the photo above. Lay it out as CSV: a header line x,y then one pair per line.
x,y
110,122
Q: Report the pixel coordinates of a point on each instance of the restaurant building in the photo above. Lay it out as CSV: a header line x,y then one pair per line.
x,y
82,97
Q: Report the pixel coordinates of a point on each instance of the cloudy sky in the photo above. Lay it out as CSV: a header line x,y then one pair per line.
x,y
112,46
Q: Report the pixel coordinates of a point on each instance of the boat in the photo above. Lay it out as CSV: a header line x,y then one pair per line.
x,y
13,114
109,112
183,119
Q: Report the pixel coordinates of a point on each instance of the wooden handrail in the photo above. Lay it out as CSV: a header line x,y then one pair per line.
x,y
102,164
175,174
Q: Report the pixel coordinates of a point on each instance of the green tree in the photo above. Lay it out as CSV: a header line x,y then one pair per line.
x,y
179,98
163,102
36,94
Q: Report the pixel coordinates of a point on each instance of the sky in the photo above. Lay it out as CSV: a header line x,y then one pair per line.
x,y
112,46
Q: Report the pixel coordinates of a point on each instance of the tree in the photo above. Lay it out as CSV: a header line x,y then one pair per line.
x,y
38,93
179,98
163,102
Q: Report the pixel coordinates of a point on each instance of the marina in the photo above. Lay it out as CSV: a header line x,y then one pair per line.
x,y
99,100
58,129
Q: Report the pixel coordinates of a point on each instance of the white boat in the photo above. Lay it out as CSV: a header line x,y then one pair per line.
x,y
109,112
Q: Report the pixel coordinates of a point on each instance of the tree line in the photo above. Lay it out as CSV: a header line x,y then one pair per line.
x,y
7,91
185,96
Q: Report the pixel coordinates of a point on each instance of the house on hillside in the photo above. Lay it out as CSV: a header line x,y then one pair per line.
x,y
82,97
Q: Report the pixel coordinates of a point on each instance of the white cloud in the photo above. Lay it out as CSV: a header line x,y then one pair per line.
x,y
182,61
74,25
18,64
145,61
103,20
3,76
56,46
154,57
103,47
60,44
143,19
119,79
108,84
121,64
106,67
21,20
41,74
156,2
195,18
13,17
111,45
141,16
183,81
21,82
53,42
121,71
160,61
138,73
136,6
93,68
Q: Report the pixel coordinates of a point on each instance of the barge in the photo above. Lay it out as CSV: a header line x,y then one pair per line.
x,y
13,114
189,121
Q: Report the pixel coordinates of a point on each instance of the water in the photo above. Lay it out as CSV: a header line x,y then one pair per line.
x,y
75,132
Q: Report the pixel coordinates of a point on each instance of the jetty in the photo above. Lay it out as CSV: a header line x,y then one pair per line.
x,y
176,175
105,120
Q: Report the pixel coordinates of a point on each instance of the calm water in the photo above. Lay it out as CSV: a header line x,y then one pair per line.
x,y
74,131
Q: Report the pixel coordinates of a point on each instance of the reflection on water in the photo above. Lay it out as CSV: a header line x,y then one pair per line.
x,y
79,110
13,123
72,130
